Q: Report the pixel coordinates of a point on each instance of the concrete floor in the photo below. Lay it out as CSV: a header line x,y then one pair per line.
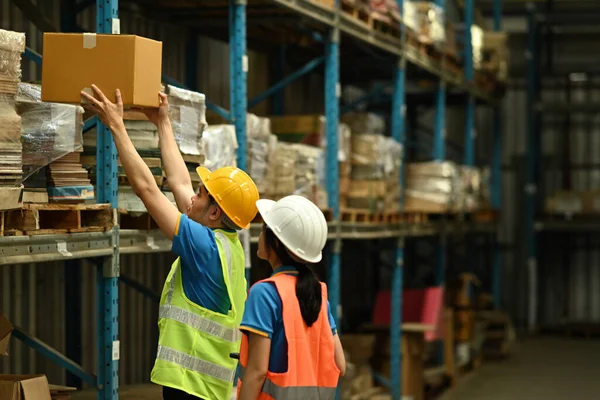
x,y
540,368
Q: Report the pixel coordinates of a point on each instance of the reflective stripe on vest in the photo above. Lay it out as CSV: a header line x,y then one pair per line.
x,y
196,321
195,364
293,392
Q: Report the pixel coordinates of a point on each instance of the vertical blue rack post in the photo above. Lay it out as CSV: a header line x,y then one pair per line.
x,y
439,154
496,176
332,177
470,132
108,270
469,79
531,188
238,73
397,122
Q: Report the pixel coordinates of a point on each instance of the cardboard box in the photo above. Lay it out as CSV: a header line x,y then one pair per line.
x,y
72,62
5,330
24,387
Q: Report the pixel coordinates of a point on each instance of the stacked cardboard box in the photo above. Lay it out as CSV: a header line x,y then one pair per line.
x,y
281,173
12,46
52,136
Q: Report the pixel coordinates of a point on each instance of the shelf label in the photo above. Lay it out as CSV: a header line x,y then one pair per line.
x,y
245,63
150,243
116,350
115,26
338,90
62,249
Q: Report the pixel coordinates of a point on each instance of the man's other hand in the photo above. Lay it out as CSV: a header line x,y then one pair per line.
x,y
160,114
110,114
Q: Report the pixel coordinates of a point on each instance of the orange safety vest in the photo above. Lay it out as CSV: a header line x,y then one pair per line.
x,y
312,372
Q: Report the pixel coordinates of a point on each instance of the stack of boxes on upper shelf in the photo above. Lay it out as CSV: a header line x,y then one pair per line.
x,y
12,46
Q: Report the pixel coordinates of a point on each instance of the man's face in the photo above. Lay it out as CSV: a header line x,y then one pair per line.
x,y
202,209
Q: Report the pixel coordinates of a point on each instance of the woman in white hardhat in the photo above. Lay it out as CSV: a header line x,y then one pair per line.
x,y
290,347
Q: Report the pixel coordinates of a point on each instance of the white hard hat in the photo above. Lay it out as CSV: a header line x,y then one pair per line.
x,y
298,224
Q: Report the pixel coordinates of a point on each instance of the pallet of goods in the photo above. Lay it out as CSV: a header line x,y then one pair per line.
x,y
430,23
12,46
367,182
495,55
52,143
260,145
303,138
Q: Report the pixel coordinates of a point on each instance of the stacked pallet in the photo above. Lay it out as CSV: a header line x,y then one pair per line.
x,y
12,46
392,163
144,136
430,23
260,145
51,136
367,181
495,54
431,187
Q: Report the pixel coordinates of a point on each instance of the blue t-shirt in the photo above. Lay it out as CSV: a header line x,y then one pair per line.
x,y
263,316
201,271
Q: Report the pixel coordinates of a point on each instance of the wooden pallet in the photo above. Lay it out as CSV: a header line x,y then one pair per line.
x,y
46,219
385,26
357,11
485,216
328,213
138,221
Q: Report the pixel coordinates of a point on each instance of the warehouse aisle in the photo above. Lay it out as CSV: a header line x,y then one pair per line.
x,y
545,368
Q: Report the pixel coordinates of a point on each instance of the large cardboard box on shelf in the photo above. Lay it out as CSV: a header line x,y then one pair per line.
x,y
74,61
24,387
6,329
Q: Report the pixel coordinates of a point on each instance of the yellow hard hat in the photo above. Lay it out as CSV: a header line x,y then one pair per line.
x,y
234,191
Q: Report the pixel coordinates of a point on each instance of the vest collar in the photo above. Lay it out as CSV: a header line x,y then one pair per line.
x,y
284,269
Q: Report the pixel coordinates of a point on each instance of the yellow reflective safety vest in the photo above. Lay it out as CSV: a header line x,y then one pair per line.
x,y
194,343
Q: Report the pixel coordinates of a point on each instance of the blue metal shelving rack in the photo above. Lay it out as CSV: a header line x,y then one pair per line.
x,y
106,380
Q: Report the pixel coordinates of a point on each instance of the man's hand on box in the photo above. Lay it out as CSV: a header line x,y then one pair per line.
x,y
110,114
160,114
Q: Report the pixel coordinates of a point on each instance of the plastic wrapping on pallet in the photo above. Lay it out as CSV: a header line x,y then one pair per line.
x,y
367,149
220,146
258,127
281,174
187,111
49,130
430,20
364,123
431,186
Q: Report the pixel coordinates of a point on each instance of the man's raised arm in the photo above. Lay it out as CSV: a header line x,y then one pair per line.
x,y
140,178
178,176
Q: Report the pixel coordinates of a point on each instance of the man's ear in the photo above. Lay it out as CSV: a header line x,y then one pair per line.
x,y
216,213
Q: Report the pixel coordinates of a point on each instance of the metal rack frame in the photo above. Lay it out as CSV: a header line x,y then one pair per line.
x,y
108,246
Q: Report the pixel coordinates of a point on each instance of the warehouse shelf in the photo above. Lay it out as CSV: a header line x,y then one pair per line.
x,y
567,225
40,248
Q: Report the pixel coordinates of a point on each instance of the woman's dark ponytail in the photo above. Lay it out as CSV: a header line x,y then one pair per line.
x,y
308,287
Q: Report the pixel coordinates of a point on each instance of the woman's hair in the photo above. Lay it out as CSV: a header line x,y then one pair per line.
x,y
308,287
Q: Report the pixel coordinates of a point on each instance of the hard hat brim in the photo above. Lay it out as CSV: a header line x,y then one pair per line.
x,y
203,173
264,206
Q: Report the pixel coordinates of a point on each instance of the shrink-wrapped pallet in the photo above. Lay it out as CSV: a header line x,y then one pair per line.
x,y
260,144
220,146
364,123
187,111
49,130
430,21
431,186
12,46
